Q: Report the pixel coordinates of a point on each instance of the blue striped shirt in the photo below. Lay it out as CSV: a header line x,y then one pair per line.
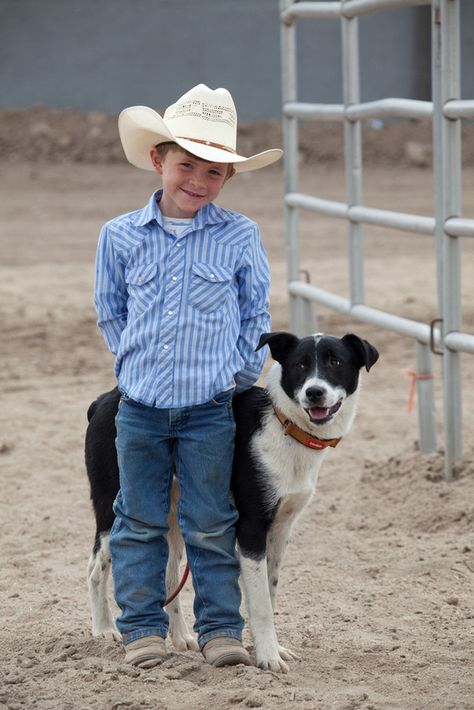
x,y
182,314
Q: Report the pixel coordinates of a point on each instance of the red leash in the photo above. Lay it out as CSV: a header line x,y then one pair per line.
x,y
179,587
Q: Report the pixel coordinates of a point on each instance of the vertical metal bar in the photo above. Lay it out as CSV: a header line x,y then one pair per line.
x,y
451,207
426,399
299,326
309,317
353,152
290,145
436,90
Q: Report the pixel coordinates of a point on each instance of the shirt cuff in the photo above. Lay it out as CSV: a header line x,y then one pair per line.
x,y
245,379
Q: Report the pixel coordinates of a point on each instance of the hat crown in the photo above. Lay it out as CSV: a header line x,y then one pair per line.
x,y
205,115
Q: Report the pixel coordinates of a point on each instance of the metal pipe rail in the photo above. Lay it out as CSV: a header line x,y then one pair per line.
x,y
393,108
460,342
458,109
366,215
372,316
354,8
320,112
405,222
458,227
331,208
383,108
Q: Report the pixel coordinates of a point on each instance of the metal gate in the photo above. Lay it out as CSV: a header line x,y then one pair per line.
x,y
447,226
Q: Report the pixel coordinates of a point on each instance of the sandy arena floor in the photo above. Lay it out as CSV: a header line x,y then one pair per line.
x,y
377,591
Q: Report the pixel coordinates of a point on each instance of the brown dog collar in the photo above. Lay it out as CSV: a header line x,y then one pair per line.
x,y
293,430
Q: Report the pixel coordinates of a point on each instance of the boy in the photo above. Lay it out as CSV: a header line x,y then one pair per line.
x,y
182,297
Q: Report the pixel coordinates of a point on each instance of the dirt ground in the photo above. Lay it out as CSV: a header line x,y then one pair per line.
x,y
376,594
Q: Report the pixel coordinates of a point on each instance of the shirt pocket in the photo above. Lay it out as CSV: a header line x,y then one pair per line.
x,y
142,286
210,286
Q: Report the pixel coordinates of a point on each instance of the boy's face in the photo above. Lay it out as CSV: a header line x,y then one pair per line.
x,y
189,183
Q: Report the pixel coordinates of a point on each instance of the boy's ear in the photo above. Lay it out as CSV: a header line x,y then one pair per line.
x,y
230,173
156,160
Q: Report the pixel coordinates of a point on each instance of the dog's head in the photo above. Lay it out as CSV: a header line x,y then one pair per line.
x,y
319,373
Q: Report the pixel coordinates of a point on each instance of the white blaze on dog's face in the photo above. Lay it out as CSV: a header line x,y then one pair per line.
x,y
328,376
320,372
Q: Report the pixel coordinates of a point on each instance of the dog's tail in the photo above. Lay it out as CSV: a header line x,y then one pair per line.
x,y
91,410
109,400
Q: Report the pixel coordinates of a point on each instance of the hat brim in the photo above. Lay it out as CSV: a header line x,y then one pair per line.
x,y
141,128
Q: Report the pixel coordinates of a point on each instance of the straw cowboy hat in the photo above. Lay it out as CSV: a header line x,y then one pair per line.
x,y
202,121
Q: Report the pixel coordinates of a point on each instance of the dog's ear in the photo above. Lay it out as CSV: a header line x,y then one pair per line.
x,y
367,355
280,344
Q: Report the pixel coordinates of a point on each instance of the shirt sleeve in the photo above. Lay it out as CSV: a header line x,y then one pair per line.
x,y
110,293
254,287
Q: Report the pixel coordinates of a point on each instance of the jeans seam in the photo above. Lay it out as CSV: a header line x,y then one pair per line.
x,y
143,633
195,572
219,633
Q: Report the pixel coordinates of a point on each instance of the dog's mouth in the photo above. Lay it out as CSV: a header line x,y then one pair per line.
x,y
321,415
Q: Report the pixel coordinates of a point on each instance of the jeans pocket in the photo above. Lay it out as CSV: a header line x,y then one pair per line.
x,y
223,399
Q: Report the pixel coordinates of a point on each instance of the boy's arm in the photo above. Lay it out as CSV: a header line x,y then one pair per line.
x,y
110,297
254,286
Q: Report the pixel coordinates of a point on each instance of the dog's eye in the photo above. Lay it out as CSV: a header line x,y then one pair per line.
x,y
301,365
334,362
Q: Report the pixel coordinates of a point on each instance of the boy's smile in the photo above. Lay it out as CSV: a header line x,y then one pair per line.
x,y
189,183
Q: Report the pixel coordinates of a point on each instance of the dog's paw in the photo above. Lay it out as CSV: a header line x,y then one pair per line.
x,y
181,638
275,664
110,633
184,642
287,655
269,658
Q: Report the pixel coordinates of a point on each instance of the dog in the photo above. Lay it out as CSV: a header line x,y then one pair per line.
x,y
283,434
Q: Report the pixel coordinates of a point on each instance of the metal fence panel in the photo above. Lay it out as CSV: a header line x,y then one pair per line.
x,y
447,225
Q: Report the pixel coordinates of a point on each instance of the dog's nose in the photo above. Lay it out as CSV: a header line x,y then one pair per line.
x,y
314,394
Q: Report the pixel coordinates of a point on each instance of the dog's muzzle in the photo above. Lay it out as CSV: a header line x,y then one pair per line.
x,y
321,415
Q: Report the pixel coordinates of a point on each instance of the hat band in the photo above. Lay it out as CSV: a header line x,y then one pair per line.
x,y
213,145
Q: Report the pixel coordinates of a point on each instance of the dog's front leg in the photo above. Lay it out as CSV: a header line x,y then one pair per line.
x,y
277,542
259,608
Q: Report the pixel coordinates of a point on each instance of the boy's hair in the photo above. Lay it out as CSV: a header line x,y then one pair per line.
x,y
170,146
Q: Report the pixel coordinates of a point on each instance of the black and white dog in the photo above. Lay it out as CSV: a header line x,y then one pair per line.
x,y
283,433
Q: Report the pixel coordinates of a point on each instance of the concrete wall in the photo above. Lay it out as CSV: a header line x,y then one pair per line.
x,y
106,54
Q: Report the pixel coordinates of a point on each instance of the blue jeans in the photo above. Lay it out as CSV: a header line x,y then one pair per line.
x,y
197,443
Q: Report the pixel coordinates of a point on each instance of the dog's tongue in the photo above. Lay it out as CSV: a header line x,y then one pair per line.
x,y
318,412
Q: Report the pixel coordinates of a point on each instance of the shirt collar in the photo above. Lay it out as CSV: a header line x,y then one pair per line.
x,y
209,214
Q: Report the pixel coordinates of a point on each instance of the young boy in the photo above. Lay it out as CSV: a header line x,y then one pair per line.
x,y
182,297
